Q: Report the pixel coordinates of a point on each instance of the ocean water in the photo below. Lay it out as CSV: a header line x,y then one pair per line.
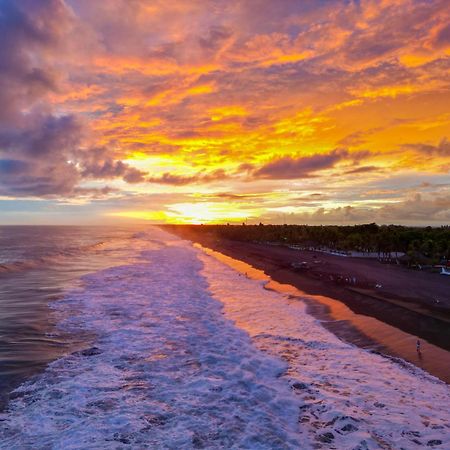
x,y
140,340
37,265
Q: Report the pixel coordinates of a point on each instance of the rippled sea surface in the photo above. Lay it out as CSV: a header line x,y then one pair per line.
x,y
37,265
134,338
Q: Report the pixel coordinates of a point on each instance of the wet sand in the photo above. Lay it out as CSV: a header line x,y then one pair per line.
x,y
363,320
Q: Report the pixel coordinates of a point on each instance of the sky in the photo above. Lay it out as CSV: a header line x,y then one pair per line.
x,y
213,111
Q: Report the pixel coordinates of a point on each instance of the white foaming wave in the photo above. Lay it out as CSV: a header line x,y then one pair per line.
x,y
166,370
351,398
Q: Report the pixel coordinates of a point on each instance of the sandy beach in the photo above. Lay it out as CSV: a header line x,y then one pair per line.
x,y
405,302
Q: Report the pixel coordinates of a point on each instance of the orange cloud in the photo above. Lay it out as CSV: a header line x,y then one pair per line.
x,y
284,99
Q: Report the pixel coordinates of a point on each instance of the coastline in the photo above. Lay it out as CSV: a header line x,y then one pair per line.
x,y
366,321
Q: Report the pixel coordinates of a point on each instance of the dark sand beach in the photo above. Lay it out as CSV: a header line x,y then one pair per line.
x,y
388,319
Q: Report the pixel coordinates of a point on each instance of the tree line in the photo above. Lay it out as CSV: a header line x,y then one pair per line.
x,y
421,245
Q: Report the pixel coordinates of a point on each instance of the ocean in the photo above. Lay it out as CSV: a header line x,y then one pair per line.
x,y
134,338
37,265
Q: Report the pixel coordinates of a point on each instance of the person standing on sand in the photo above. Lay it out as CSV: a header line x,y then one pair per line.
x,y
418,346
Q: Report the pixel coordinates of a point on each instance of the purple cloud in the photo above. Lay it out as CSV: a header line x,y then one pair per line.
x,y
180,180
302,167
441,149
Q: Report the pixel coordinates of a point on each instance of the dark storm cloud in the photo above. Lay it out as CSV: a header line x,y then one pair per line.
x,y
28,29
441,149
181,180
306,166
25,178
34,143
42,152
43,136
37,155
96,164
47,157
363,169
13,167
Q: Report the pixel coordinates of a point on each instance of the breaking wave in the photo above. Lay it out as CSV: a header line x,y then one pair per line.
x,y
166,370
188,353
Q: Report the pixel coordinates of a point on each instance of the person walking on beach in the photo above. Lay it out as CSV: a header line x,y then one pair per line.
x,y
418,346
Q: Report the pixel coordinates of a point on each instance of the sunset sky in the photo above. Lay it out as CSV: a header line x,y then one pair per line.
x,y
201,111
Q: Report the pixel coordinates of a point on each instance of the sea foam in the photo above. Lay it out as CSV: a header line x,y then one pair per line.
x,y
351,398
166,368
189,353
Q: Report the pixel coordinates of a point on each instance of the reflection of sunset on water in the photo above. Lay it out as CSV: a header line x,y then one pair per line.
x,y
368,332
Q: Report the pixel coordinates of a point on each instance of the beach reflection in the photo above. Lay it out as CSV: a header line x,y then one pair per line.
x,y
361,330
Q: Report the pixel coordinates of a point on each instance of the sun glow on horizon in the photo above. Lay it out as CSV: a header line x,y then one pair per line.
x,y
191,213
198,112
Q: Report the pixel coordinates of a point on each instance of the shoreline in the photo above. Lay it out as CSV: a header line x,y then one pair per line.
x,y
365,321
